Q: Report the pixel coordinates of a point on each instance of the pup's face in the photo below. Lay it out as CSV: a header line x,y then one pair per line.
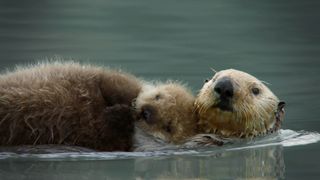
x,y
234,103
166,112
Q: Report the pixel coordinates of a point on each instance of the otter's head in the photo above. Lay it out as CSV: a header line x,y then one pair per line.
x,y
166,111
236,104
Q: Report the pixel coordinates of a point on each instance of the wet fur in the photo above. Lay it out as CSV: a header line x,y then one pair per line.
x,y
178,117
253,114
69,104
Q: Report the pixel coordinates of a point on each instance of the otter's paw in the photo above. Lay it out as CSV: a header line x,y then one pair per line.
x,y
204,140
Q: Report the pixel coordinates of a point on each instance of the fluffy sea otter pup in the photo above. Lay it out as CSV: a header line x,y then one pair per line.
x,y
166,112
236,104
68,104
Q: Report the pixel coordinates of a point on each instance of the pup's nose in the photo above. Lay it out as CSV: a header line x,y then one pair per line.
x,y
148,113
224,88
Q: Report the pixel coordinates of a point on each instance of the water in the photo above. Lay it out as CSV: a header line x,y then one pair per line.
x,y
263,158
276,41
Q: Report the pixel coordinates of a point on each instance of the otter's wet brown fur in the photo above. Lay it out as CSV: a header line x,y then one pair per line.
x,y
69,104
253,106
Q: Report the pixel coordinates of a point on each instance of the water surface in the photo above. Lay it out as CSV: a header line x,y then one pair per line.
x,y
276,41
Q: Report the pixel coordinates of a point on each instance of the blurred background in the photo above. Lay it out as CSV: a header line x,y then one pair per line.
x,y
276,41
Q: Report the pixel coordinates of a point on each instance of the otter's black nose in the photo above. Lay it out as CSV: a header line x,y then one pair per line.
x,y
224,88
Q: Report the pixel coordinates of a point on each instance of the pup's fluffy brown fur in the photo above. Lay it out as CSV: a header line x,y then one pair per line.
x,y
166,112
67,103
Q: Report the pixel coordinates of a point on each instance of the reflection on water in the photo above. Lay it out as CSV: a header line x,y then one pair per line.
x,y
250,163
265,162
261,158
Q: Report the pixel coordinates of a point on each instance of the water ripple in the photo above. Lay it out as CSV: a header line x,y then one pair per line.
x,y
284,138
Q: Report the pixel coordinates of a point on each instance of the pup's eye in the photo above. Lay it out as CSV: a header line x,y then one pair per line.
x,y
207,80
255,91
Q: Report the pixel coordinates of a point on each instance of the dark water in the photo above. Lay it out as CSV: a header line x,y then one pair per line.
x,y
277,41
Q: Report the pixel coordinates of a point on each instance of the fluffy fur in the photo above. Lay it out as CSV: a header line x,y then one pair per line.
x,y
69,104
171,113
166,112
252,114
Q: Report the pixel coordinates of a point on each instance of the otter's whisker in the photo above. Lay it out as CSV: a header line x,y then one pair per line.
x,y
213,70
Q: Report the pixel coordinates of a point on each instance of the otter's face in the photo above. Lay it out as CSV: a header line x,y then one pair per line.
x,y
166,111
234,103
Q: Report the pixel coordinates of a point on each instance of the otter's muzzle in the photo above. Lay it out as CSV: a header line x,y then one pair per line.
x,y
225,91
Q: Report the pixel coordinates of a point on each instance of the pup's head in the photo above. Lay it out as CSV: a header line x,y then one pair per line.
x,y
234,103
166,111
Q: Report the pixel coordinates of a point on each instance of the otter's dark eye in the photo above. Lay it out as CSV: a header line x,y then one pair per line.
x,y
255,91
207,80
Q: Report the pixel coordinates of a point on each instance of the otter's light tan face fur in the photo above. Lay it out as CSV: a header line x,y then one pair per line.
x,y
166,111
236,104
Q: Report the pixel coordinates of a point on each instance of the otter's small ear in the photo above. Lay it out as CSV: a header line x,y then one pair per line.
x,y
280,114
281,105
